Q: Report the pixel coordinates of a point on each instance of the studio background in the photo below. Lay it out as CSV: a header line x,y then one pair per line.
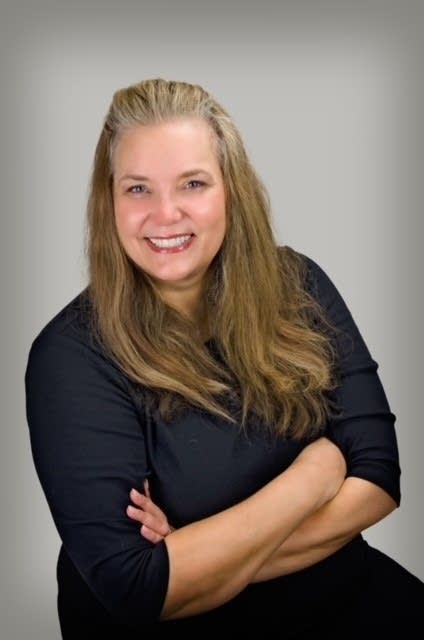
x,y
329,99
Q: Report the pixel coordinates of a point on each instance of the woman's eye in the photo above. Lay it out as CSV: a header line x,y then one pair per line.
x,y
137,188
195,184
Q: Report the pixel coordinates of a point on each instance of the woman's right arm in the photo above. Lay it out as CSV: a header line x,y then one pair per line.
x,y
212,560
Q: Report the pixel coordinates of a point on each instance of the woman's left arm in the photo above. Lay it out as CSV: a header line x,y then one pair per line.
x,y
364,430
358,505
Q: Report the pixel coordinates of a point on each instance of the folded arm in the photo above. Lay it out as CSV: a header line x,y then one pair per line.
x,y
358,505
364,431
212,560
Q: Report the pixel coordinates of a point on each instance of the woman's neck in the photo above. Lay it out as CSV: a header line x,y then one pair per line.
x,y
190,303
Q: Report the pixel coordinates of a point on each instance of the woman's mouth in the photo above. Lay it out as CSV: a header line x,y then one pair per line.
x,y
171,244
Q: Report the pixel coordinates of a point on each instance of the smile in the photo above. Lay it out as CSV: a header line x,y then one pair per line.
x,y
170,245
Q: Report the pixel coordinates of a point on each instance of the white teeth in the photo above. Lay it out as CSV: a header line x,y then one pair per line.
x,y
169,243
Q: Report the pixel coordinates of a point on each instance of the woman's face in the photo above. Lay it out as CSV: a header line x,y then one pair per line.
x,y
169,201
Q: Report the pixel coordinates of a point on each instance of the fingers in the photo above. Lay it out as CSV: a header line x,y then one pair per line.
x,y
138,498
161,527
153,535
150,535
154,523
147,504
146,487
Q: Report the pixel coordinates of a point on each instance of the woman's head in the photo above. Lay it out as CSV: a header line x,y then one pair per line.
x,y
170,210
162,109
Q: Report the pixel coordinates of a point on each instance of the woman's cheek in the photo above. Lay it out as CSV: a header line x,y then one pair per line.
x,y
130,216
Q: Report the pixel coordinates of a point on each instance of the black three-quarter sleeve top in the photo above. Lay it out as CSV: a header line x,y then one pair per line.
x,y
92,441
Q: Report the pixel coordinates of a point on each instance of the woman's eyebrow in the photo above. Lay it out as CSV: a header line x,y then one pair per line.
x,y
133,176
193,172
185,174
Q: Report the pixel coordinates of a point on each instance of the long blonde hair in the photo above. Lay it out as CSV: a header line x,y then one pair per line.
x,y
266,358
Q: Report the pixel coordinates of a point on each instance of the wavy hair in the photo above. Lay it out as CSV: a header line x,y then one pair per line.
x,y
268,358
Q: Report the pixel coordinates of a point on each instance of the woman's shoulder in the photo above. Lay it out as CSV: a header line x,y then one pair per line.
x,y
68,346
68,350
71,325
315,277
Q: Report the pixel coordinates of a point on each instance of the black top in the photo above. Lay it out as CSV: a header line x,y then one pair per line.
x,y
92,440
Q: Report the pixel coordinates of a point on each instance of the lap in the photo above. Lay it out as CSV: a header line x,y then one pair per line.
x,y
387,602
390,604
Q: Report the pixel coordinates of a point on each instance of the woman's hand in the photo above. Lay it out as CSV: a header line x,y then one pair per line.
x,y
154,523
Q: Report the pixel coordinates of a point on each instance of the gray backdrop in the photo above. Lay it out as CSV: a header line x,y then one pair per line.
x,y
329,96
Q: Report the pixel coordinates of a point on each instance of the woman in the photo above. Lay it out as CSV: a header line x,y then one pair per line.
x,y
225,377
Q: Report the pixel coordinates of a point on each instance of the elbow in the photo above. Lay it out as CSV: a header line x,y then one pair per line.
x,y
387,504
372,502
132,585
385,475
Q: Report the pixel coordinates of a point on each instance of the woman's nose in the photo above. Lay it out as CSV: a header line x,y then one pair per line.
x,y
166,209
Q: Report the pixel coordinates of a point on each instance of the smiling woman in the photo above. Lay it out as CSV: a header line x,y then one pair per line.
x,y
169,198
206,421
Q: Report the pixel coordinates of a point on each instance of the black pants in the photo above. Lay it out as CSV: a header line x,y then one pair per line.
x,y
387,602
